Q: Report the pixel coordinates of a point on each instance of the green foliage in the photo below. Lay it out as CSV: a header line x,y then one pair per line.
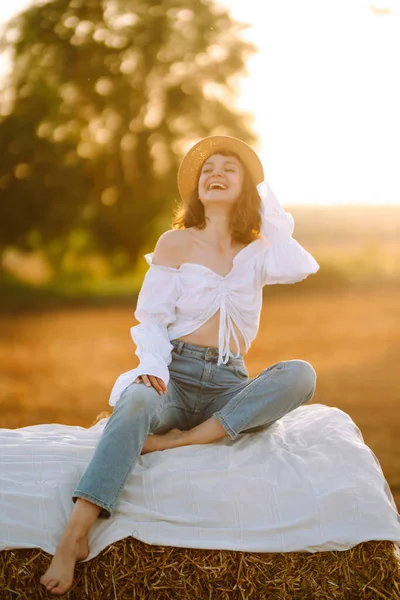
x,y
103,100
60,292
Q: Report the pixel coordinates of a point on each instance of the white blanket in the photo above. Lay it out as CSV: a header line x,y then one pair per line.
x,y
307,483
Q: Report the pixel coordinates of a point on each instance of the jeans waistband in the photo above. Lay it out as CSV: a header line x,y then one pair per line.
x,y
209,353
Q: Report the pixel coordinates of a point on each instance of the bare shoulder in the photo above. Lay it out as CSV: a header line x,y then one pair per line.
x,y
171,248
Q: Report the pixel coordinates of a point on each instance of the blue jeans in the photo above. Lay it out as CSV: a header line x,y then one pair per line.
x,y
198,389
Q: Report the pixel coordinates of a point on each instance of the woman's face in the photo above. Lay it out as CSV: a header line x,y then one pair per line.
x,y
221,179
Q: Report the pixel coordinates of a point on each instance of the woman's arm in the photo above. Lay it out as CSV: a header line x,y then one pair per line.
x,y
285,260
155,310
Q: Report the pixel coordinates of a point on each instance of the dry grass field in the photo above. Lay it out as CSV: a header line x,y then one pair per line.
x,y
59,366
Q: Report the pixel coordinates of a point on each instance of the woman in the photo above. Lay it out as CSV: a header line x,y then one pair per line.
x,y
198,312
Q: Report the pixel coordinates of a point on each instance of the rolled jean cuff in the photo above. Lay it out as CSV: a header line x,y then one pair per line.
x,y
232,434
105,512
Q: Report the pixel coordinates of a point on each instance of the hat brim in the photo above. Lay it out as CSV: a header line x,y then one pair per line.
x,y
189,170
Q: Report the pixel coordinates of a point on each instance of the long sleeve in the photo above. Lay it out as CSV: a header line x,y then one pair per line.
x,y
284,260
155,310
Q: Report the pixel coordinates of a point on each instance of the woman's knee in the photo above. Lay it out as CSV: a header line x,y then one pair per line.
x,y
304,377
137,398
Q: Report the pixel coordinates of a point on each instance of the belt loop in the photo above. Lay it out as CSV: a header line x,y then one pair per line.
x,y
179,347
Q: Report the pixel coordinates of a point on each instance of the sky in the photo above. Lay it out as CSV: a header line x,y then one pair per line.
x,y
323,89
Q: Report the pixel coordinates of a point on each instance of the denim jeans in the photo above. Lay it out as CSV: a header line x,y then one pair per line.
x,y
198,389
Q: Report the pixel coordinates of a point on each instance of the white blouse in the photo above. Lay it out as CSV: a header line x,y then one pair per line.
x,y
175,302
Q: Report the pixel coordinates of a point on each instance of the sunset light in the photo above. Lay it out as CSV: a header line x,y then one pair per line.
x,y
323,91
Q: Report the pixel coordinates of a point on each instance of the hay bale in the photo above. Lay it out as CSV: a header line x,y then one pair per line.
x,y
130,569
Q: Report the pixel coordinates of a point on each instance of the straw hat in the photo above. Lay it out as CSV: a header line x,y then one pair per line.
x,y
190,166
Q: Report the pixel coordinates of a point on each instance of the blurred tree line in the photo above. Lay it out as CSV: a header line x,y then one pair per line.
x,y
102,101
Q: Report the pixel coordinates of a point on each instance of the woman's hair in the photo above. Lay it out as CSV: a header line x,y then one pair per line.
x,y
245,217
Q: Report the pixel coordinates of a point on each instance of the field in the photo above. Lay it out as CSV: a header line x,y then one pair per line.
x,y
59,366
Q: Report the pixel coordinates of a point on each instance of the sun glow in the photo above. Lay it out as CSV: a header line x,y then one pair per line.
x,y
323,91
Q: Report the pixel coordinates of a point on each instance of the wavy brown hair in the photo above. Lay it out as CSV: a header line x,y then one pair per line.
x,y
245,216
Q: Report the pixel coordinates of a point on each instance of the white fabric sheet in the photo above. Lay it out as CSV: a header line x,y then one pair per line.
x,y
307,483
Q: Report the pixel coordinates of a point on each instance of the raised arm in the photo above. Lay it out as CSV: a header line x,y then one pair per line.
x,y
285,260
155,310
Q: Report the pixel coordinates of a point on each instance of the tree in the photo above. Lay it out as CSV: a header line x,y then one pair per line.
x,y
103,100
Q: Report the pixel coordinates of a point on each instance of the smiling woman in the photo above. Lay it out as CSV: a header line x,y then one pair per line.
x,y
221,172
198,312
225,189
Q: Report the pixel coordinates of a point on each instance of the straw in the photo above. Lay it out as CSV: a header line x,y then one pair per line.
x,y
131,569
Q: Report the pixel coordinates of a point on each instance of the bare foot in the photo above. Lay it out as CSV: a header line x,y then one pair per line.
x,y
59,577
171,439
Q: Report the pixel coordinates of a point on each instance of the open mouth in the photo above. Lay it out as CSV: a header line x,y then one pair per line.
x,y
217,186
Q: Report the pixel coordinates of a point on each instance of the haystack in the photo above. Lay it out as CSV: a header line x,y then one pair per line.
x,y
132,570
304,512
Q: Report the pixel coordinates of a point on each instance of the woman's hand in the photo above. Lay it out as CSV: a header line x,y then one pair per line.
x,y
156,382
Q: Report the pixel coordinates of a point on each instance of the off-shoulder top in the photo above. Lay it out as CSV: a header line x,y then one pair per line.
x,y
174,302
